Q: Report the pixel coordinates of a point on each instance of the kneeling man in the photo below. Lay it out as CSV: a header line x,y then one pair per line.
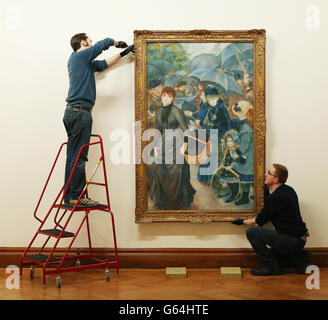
x,y
289,237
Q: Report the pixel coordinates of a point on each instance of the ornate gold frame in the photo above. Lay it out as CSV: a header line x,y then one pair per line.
x,y
141,37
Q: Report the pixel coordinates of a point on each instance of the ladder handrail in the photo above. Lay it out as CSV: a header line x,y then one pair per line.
x,y
74,207
98,136
70,178
49,176
45,186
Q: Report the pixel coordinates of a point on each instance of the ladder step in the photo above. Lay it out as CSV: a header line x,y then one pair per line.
x,y
56,233
41,258
80,208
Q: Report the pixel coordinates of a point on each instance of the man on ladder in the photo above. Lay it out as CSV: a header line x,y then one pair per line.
x,y
80,101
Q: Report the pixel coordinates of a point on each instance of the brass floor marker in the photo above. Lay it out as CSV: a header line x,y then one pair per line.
x,y
176,273
230,272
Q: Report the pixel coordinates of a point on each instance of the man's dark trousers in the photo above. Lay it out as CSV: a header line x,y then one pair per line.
x,y
281,246
78,126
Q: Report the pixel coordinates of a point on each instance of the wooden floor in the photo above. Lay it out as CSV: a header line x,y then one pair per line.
x,y
145,284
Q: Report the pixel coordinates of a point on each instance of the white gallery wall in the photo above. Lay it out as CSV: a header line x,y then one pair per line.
x,y
35,36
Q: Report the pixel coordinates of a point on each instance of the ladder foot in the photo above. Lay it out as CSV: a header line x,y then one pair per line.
x,y
44,286
77,264
107,275
58,282
32,272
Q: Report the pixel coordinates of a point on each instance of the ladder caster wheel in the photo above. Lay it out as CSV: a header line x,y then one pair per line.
x,y
117,276
58,282
107,275
32,272
44,287
77,264
21,277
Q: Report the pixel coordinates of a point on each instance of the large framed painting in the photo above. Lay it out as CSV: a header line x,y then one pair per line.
x,y
200,125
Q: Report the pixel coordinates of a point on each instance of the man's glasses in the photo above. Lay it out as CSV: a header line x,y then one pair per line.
x,y
268,172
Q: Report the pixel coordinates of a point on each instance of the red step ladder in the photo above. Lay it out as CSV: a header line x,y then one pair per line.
x,y
52,264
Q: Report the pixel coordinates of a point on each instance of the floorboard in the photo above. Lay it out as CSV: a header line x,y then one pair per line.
x,y
151,284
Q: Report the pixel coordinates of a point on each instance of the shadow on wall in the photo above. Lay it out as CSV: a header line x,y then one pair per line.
x,y
205,231
269,96
308,211
104,103
126,60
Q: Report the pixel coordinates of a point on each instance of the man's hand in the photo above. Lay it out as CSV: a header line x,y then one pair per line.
x,y
251,222
238,222
121,44
127,50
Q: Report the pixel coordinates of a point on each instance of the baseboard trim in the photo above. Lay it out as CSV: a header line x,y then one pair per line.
x,y
157,258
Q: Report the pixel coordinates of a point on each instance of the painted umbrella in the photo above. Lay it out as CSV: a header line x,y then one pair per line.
x,y
220,78
238,56
154,73
247,65
203,61
191,80
164,66
234,49
172,80
159,69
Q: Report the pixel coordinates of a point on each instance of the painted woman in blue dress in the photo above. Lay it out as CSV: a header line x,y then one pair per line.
x,y
212,115
231,156
244,111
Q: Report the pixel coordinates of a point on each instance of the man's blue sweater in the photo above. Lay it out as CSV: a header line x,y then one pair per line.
x,y
81,68
282,208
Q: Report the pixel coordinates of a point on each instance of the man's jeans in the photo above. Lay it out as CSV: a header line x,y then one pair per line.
x,y
281,246
78,126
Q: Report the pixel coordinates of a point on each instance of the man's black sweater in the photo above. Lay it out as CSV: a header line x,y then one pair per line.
x,y
282,208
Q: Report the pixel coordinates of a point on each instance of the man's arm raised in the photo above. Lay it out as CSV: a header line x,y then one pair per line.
x,y
113,60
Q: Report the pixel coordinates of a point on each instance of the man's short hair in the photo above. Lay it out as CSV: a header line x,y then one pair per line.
x,y
76,40
281,172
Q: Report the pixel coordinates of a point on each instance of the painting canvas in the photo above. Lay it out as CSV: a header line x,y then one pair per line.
x,y
200,110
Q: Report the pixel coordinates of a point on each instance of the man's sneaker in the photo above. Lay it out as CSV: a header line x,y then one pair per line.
x,y
84,202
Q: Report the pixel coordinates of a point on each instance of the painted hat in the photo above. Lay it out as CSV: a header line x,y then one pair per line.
x,y
234,135
211,91
241,107
154,83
